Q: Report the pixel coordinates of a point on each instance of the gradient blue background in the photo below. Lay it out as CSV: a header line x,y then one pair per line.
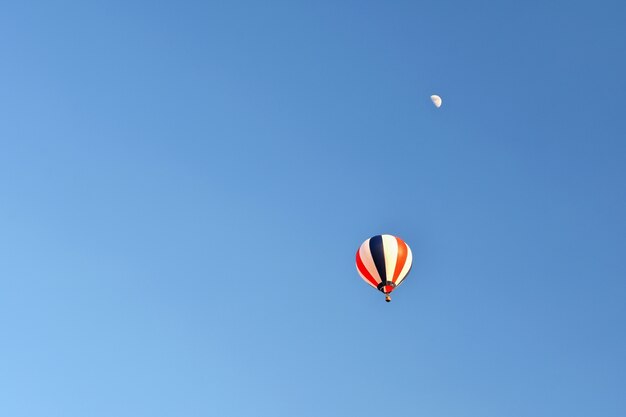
x,y
183,186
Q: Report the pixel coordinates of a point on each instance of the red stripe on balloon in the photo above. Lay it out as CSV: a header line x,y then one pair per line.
x,y
363,270
402,254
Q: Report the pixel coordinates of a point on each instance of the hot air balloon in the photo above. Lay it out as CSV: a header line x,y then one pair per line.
x,y
383,261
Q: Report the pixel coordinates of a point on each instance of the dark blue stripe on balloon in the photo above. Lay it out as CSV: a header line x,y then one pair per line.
x,y
378,255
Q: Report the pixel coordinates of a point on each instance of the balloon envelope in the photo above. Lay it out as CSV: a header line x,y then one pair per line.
x,y
383,261
436,100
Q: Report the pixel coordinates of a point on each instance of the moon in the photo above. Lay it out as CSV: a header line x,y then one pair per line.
x,y
436,100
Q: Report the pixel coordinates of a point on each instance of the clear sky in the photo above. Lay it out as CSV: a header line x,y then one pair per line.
x,y
184,184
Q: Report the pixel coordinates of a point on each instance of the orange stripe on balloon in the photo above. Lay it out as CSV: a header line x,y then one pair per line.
x,y
363,270
402,254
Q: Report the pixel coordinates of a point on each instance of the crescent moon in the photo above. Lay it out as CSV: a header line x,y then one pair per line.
x,y
436,100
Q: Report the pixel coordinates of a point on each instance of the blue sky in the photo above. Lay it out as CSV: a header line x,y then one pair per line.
x,y
183,186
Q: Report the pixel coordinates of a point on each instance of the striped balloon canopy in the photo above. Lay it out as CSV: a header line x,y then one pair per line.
x,y
383,261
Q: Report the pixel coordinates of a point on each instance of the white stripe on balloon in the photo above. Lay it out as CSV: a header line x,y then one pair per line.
x,y
390,246
368,261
